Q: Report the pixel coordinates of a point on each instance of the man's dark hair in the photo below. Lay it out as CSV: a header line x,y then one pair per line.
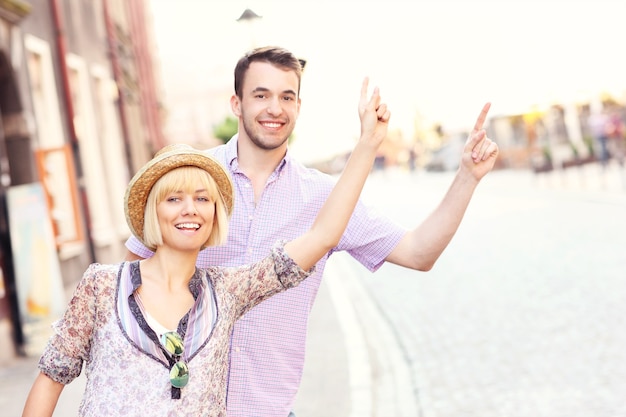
x,y
274,55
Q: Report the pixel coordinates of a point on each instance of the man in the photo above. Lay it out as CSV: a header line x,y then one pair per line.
x,y
276,198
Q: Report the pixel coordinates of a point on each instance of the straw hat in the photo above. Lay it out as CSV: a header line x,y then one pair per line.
x,y
167,159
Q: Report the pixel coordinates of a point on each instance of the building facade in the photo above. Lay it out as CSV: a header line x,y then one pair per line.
x,y
80,113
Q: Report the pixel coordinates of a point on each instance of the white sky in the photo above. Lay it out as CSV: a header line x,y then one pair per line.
x,y
441,59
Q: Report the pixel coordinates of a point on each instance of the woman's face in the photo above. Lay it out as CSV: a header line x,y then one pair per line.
x,y
186,218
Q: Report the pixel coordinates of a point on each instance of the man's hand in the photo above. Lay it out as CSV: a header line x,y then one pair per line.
x,y
374,116
480,152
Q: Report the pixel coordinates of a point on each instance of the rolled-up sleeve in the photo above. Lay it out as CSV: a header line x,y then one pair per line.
x,y
69,346
287,270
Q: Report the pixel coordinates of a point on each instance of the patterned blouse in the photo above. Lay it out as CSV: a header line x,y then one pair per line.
x,y
127,374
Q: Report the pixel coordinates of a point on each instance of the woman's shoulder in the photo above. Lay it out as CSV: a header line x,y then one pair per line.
x,y
102,275
103,269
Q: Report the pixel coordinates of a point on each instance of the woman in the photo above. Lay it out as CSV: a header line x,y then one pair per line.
x,y
154,334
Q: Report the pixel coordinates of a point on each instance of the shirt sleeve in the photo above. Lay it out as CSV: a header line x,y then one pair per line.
x,y
135,246
69,346
370,236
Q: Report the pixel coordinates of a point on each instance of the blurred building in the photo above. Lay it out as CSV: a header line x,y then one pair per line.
x,y
556,137
81,111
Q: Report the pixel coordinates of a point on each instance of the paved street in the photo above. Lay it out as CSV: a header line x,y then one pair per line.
x,y
523,316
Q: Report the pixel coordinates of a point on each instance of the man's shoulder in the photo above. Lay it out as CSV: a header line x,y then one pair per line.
x,y
218,151
306,170
309,176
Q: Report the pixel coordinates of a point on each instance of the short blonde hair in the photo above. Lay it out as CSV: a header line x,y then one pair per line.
x,y
184,179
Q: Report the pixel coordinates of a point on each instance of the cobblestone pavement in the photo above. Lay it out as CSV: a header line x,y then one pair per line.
x,y
524,314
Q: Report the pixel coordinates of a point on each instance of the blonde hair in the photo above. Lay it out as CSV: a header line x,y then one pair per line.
x,y
184,179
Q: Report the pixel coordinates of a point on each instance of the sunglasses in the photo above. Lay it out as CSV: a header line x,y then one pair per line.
x,y
173,343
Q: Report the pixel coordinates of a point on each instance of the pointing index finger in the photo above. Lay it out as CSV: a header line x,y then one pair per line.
x,y
364,88
482,117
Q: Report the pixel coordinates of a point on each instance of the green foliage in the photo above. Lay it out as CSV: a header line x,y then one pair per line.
x,y
575,151
226,129
588,141
547,154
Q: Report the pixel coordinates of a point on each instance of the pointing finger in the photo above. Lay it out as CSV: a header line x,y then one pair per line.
x,y
375,99
364,87
482,117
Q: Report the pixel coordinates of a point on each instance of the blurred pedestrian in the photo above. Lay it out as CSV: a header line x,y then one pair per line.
x,y
412,158
154,334
614,132
276,197
597,124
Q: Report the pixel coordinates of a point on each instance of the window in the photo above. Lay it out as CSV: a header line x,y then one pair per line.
x,y
54,159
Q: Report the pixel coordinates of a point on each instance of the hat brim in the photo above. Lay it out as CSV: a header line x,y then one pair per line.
x,y
168,159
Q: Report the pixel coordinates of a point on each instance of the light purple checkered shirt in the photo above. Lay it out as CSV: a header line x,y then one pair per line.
x,y
268,343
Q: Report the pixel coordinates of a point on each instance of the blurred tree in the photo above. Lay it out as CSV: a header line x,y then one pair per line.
x,y
226,129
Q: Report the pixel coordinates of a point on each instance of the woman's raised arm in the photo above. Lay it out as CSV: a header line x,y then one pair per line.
x,y
334,215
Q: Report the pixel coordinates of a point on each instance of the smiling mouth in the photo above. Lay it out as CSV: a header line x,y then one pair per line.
x,y
188,226
271,125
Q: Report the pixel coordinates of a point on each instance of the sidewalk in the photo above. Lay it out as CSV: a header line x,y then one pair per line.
x,y
17,378
325,387
15,383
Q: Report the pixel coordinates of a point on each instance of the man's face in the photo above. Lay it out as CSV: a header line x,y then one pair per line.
x,y
269,105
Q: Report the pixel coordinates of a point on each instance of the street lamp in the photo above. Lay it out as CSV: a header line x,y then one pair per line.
x,y
249,17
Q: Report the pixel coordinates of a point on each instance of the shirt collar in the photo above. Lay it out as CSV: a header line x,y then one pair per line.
x,y
195,327
231,153
233,164
195,283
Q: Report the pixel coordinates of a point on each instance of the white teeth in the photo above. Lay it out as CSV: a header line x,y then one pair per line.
x,y
272,124
188,226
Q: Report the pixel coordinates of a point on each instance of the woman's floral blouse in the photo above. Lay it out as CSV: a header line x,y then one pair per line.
x,y
125,377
